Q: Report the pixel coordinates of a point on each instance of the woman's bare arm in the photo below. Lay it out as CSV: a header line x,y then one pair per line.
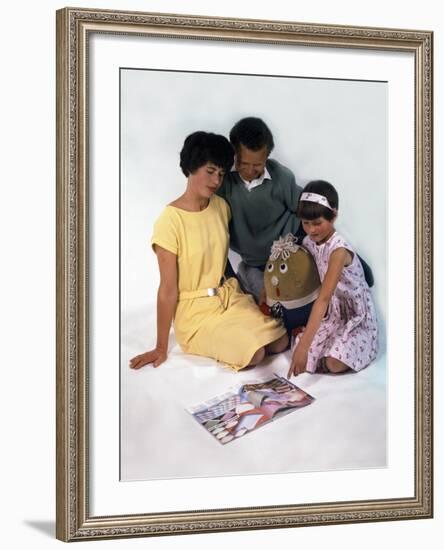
x,y
166,305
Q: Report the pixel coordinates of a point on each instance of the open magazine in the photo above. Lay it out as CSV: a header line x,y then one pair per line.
x,y
243,409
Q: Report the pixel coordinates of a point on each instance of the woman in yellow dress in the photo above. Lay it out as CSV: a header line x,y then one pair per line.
x,y
212,317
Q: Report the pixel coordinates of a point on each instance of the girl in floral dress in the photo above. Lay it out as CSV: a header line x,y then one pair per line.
x,y
342,332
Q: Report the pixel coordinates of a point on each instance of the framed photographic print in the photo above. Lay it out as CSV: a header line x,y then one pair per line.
x,y
347,105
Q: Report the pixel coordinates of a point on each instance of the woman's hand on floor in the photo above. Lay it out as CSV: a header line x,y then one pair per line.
x,y
155,357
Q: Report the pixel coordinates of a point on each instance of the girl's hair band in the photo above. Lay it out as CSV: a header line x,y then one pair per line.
x,y
315,197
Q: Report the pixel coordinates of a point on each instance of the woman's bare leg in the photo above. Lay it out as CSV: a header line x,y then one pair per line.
x,y
278,345
257,357
335,366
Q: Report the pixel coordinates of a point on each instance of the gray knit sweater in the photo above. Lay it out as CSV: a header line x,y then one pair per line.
x,y
262,215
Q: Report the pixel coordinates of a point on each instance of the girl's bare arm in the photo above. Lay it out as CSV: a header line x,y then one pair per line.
x,y
338,259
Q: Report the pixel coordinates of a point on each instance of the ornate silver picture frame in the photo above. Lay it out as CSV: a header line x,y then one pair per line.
x,y
76,468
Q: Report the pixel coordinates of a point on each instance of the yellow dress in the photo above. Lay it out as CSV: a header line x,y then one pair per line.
x,y
228,327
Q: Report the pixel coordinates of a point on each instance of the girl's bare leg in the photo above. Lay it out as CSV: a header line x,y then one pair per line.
x,y
335,366
278,345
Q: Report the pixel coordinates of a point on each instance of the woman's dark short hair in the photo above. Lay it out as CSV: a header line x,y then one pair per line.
x,y
312,210
202,147
252,133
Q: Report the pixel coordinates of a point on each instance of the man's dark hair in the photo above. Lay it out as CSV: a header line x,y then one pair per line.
x,y
252,133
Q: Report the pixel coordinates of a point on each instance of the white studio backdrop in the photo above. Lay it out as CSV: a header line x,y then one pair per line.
x,y
28,277
323,129
328,129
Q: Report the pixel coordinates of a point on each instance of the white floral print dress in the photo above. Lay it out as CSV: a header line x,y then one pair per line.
x,y
349,330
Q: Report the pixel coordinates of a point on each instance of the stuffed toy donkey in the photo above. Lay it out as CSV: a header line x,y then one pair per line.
x,y
291,282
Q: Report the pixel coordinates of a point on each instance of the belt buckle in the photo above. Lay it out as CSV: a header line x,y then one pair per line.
x,y
212,291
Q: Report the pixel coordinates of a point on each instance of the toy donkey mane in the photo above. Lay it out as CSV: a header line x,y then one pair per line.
x,y
283,247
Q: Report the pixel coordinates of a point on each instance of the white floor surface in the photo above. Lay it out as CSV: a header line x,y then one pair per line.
x,y
344,428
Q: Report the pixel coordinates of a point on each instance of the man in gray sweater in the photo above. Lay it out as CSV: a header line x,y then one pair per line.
x,y
263,196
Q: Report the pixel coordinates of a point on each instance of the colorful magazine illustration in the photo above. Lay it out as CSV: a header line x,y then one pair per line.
x,y
241,410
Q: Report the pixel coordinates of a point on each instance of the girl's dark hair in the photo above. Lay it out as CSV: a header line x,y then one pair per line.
x,y
311,210
253,133
202,147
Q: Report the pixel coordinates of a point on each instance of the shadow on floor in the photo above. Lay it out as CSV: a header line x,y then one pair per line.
x,y
45,527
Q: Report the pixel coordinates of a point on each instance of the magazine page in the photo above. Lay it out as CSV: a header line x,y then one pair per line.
x,y
243,409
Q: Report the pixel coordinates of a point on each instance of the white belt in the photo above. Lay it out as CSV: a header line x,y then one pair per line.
x,y
202,293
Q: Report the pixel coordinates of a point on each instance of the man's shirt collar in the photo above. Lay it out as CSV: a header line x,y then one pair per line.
x,y
256,182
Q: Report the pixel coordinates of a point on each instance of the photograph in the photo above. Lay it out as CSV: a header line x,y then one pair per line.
x,y
302,130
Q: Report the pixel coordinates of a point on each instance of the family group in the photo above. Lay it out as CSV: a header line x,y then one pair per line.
x,y
237,197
